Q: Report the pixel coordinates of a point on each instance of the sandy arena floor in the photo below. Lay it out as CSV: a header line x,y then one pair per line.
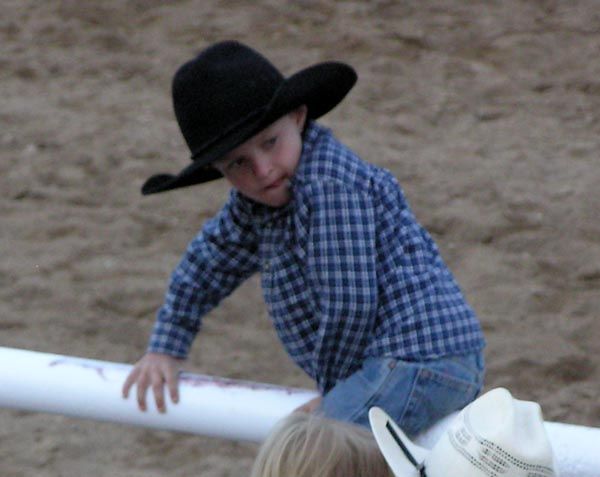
x,y
487,112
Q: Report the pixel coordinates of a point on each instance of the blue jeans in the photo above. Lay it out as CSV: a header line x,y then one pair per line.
x,y
414,394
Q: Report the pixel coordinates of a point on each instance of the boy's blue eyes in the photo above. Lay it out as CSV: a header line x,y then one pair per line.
x,y
241,161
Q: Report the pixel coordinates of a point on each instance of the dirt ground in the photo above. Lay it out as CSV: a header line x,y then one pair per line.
x,y
487,112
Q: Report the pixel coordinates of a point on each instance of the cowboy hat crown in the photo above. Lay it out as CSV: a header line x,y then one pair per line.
x,y
230,92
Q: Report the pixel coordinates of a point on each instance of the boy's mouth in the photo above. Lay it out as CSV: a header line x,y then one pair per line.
x,y
276,184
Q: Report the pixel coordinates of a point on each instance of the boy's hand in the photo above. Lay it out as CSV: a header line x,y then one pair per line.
x,y
310,406
154,370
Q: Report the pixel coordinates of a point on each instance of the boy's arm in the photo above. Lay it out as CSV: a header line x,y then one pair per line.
x,y
215,263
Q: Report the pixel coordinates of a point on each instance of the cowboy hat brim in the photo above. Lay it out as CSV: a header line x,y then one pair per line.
x,y
320,87
390,439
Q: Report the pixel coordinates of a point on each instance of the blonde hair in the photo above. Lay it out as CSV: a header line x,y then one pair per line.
x,y
308,445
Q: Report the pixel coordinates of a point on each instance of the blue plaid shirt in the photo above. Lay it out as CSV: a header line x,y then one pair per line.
x,y
346,271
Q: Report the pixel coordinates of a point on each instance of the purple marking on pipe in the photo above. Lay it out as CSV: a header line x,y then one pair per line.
x,y
204,380
99,369
195,380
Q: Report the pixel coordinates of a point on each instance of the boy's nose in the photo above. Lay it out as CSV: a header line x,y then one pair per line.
x,y
261,166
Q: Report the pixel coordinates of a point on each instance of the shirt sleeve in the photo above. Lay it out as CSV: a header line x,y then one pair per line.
x,y
216,261
341,271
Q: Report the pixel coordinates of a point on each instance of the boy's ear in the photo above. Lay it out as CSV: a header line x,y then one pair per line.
x,y
299,116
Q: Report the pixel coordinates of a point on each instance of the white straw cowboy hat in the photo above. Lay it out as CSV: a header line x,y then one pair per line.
x,y
494,436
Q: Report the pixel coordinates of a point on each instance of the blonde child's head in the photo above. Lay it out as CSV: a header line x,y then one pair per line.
x,y
308,445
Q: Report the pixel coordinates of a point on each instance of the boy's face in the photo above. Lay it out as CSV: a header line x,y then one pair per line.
x,y
262,167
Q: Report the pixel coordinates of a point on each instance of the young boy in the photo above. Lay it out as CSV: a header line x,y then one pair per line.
x,y
355,287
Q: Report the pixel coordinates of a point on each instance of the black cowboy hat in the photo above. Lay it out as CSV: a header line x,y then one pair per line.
x,y
229,93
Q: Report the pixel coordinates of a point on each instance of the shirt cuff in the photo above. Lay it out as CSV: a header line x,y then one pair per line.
x,y
170,339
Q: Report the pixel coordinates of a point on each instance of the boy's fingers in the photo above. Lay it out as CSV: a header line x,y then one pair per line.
x,y
153,372
173,385
142,385
129,382
159,391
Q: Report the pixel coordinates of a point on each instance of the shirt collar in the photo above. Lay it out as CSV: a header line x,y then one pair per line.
x,y
263,214
311,136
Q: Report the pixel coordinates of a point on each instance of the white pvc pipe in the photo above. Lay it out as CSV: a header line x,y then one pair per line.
x,y
91,389
209,405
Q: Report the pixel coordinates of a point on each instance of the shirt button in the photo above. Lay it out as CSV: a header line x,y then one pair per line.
x,y
267,265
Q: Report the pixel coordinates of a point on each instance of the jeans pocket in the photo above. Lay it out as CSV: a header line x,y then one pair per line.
x,y
349,399
435,394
